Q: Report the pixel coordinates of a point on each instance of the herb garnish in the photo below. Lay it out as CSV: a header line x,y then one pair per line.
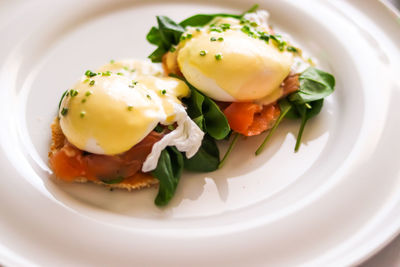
x,y
73,92
64,111
90,74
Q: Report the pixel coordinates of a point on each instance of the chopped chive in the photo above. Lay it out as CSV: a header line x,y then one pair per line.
x,y
148,96
88,93
133,70
203,53
130,108
73,92
90,74
163,92
64,111
189,35
225,26
171,127
215,30
120,74
125,68
82,114
213,39
112,61
85,81
131,86
253,24
198,29
183,37
134,82
220,39
83,100
218,56
91,82
172,49
232,144
291,49
107,73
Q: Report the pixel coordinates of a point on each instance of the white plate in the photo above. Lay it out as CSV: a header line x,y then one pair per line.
x,y
334,203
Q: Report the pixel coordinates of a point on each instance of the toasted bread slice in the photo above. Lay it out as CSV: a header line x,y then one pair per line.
x,y
139,180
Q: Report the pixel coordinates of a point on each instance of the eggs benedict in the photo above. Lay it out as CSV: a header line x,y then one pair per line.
x,y
111,111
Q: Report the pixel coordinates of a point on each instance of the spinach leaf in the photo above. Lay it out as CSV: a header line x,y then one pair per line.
x,y
167,34
206,159
157,54
169,31
206,114
305,103
216,124
307,112
168,172
154,36
315,84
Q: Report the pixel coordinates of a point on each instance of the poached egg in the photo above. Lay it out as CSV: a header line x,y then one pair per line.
x,y
227,61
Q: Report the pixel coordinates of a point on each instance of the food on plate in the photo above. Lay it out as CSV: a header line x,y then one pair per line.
x,y
255,75
133,124
106,129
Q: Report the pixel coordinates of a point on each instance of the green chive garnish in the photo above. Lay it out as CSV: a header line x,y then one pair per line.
x,y
203,53
82,114
73,92
90,74
253,24
130,108
220,39
163,92
218,56
91,82
291,49
83,100
112,61
213,39
64,111
88,93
